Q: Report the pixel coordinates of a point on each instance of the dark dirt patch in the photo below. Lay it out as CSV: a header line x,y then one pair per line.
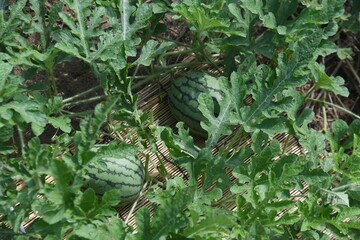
x,y
72,78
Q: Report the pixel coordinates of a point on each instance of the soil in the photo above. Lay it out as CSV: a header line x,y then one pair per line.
x,y
72,77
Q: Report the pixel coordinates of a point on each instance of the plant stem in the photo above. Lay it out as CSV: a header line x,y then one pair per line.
x,y
69,99
160,72
227,199
325,117
174,41
344,187
147,80
82,29
177,53
335,106
134,205
22,140
125,17
79,114
50,75
210,60
234,139
353,71
93,99
310,91
136,70
53,84
285,144
182,65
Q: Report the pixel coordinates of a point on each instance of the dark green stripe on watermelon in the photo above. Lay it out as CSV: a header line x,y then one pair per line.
x,y
183,98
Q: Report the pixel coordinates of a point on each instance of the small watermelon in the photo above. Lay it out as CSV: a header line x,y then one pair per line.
x,y
110,170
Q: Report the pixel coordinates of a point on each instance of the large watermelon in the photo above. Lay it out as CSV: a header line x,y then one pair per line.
x,y
183,98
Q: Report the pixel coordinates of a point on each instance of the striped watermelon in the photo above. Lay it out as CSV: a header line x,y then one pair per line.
x,y
183,101
116,171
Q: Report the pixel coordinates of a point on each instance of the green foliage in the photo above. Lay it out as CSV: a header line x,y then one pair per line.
x,y
23,106
168,217
217,126
352,18
332,84
264,50
12,20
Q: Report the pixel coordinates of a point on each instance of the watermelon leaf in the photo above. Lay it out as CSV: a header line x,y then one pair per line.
x,y
217,126
24,110
86,138
43,24
200,17
5,70
214,171
183,150
314,143
168,216
152,50
111,198
212,224
268,88
12,21
180,145
143,223
62,123
80,32
88,200
323,81
105,228
51,212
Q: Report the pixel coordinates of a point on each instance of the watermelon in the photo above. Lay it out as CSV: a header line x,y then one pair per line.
x,y
183,98
111,171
